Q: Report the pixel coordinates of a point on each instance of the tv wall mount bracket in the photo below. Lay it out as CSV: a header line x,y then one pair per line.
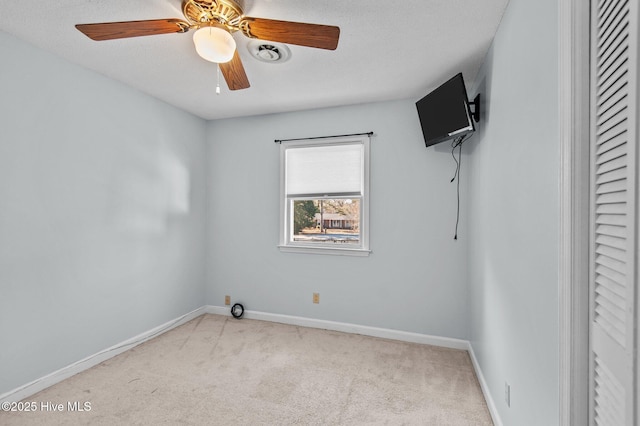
x,y
474,107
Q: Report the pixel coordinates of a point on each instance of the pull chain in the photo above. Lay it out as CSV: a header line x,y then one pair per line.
x,y
218,84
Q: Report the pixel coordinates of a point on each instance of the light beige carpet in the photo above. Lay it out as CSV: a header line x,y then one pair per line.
x,y
217,370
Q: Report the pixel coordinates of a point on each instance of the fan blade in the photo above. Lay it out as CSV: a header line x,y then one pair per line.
x,y
234,74
114,30
310,35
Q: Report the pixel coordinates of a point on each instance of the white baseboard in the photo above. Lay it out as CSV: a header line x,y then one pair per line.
x,y
42,383
493,410
95,359
384,333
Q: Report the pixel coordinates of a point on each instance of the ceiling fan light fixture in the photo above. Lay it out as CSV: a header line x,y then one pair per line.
x,y
214,44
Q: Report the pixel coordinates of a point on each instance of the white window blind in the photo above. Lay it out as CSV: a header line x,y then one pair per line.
x,y
334,170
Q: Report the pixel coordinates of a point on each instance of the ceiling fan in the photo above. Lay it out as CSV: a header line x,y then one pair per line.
x,y
214,21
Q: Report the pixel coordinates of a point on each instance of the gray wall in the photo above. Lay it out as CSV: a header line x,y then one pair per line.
x,y
101,212
415,279
513,219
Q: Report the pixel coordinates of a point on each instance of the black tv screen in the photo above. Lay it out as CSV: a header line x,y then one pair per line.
x,y
444,113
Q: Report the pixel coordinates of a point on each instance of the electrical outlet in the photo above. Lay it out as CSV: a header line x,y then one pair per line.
x,y
227,300
507,394
316,297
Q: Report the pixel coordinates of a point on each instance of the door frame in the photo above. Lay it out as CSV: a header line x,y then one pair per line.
x,y
574,108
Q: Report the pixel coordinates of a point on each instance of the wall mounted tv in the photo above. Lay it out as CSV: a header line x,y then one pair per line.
x,y
445,113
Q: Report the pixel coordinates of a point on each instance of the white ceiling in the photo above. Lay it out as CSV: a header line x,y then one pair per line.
x,y
387,50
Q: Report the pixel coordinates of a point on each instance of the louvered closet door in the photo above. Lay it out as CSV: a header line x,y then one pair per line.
x,y
614,140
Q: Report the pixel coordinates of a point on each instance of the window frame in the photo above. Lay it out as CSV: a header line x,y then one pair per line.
x,y
286,243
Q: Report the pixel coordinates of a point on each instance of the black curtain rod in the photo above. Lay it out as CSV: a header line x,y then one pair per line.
x,y
323,137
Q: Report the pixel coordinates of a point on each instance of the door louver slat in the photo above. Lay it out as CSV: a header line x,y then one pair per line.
x,y
612,252
614,265
604,9
612,275
612,176
612,10
617,300
612,30
614,73
611,93
609,392
616,232
611,56
613,164
611,208
611,219
612,143
619,185
613,122
614,153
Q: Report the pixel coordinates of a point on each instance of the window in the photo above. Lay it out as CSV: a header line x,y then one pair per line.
x,y
324,195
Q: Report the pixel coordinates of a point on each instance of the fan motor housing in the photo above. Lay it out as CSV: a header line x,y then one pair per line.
x,y
201,12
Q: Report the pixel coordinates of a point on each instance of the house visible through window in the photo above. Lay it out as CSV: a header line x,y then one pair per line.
x,y
324,195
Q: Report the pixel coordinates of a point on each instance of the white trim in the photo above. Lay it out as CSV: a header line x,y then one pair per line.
x,y
405,336
51,379
636,219
573,274
385,333
325,250
493,410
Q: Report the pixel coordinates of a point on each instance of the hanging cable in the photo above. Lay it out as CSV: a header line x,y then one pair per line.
x,y
457,143
454,145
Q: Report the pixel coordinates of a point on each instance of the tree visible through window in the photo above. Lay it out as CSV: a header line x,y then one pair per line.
x,y
327,220
304,216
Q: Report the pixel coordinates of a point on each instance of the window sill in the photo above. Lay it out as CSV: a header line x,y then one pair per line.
x,y
325,250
